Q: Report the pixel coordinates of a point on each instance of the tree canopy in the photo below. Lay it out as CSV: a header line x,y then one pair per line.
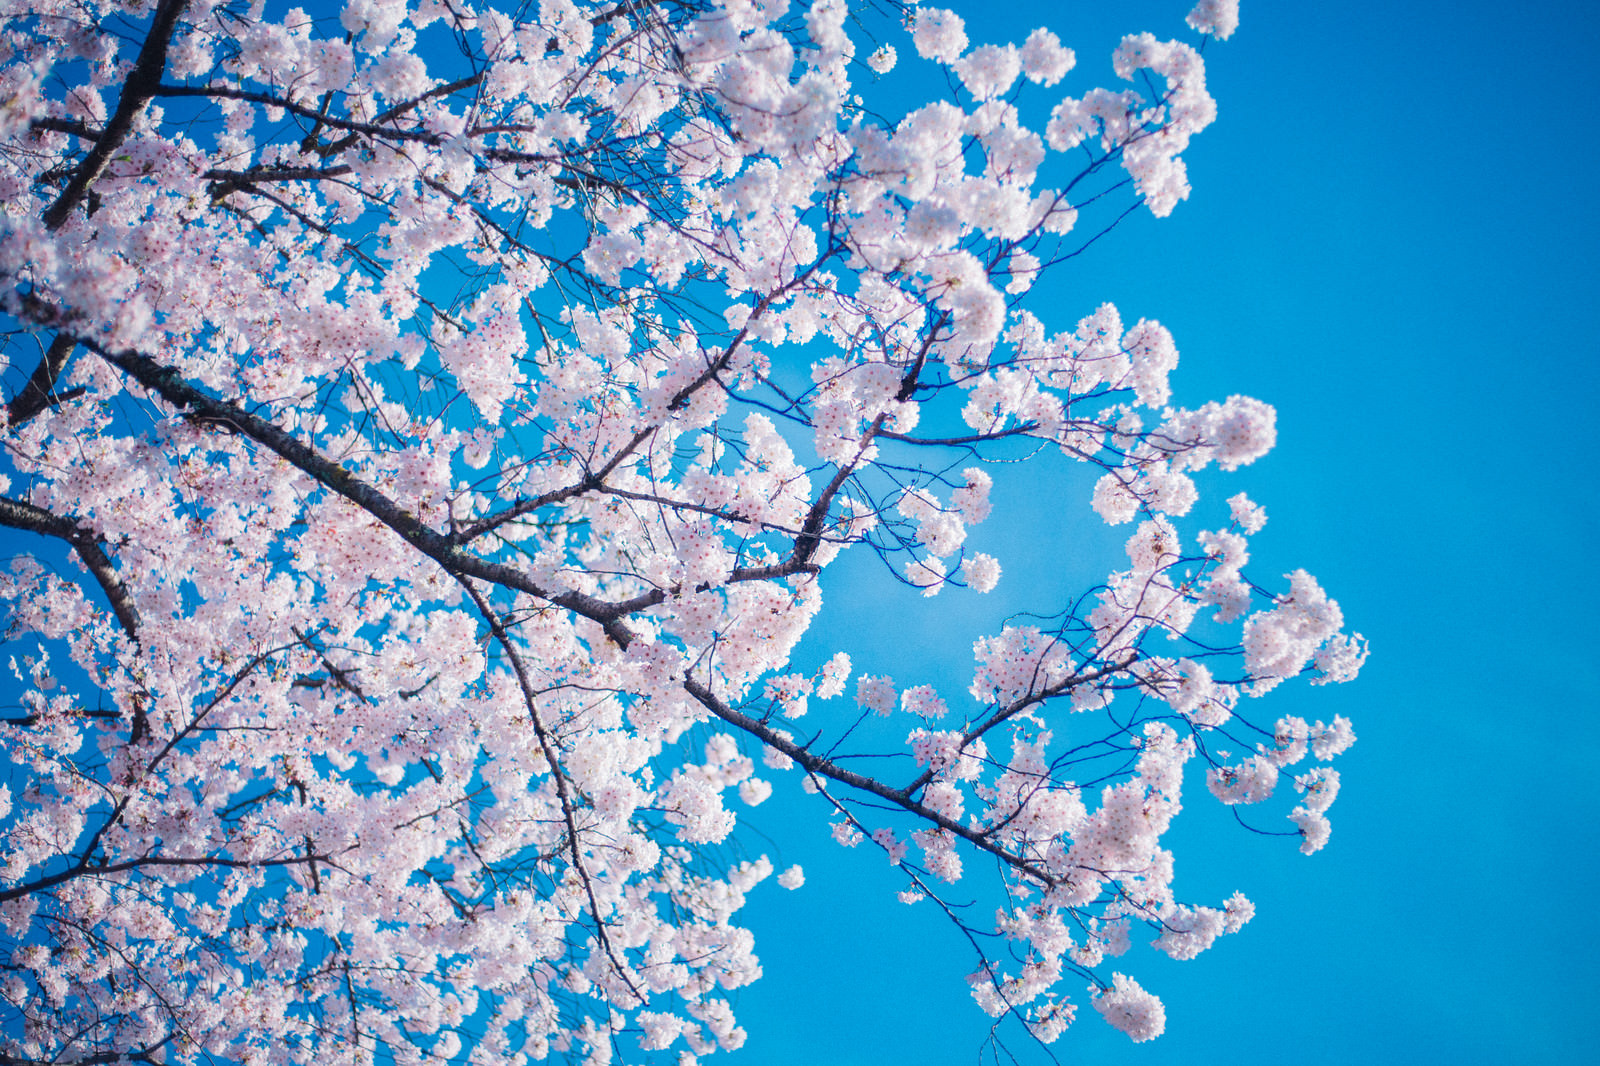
x,y
451,415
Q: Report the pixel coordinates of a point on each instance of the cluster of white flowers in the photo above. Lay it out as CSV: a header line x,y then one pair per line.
x,y
989,70
1128,1007
454,447
982,572
1249,782
939,34
1279,643
876,694
1044,60
1020,660
1219,18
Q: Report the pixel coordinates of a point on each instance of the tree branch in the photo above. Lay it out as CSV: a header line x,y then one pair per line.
x,y
39,392
169,385
142,83
547,746
20,515
824,767
83,870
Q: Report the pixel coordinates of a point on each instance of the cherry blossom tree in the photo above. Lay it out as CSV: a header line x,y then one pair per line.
x,y
429,431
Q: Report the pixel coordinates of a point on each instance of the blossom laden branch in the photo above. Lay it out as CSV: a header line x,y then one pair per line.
x,y
466,439
19,514
141,86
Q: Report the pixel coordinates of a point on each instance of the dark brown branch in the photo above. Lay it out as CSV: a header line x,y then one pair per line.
x,y
1022,703
401,108
99,1058
823,767
344,679
679,401
142,83
645,600
225,181
547,746
171,387
40,390
975,438
20,515
805,545
83,870
353,127
33,719
69,126
85,864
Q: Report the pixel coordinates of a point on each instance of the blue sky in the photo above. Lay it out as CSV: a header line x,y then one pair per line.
x,y
1392,239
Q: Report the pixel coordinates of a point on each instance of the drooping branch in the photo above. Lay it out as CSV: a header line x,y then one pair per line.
x,y
825,767
557,775
21,515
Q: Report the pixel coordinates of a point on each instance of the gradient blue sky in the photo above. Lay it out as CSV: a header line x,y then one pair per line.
x,y
1393,239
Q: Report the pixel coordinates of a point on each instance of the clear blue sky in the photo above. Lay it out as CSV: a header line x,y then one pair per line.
x,y
1393,239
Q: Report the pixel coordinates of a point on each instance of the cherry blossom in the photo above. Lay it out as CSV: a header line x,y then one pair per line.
x,y
430,435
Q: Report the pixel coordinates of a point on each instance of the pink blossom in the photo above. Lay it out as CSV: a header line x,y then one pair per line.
x,y
456,448
939,34
1130,1008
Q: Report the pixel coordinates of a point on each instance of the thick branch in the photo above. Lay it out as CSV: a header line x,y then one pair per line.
x,y
224,181
40,391
70,126
142,83
81,870
170,386
20,515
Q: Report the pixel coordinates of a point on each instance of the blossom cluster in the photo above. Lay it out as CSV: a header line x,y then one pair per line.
x,y
454,416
